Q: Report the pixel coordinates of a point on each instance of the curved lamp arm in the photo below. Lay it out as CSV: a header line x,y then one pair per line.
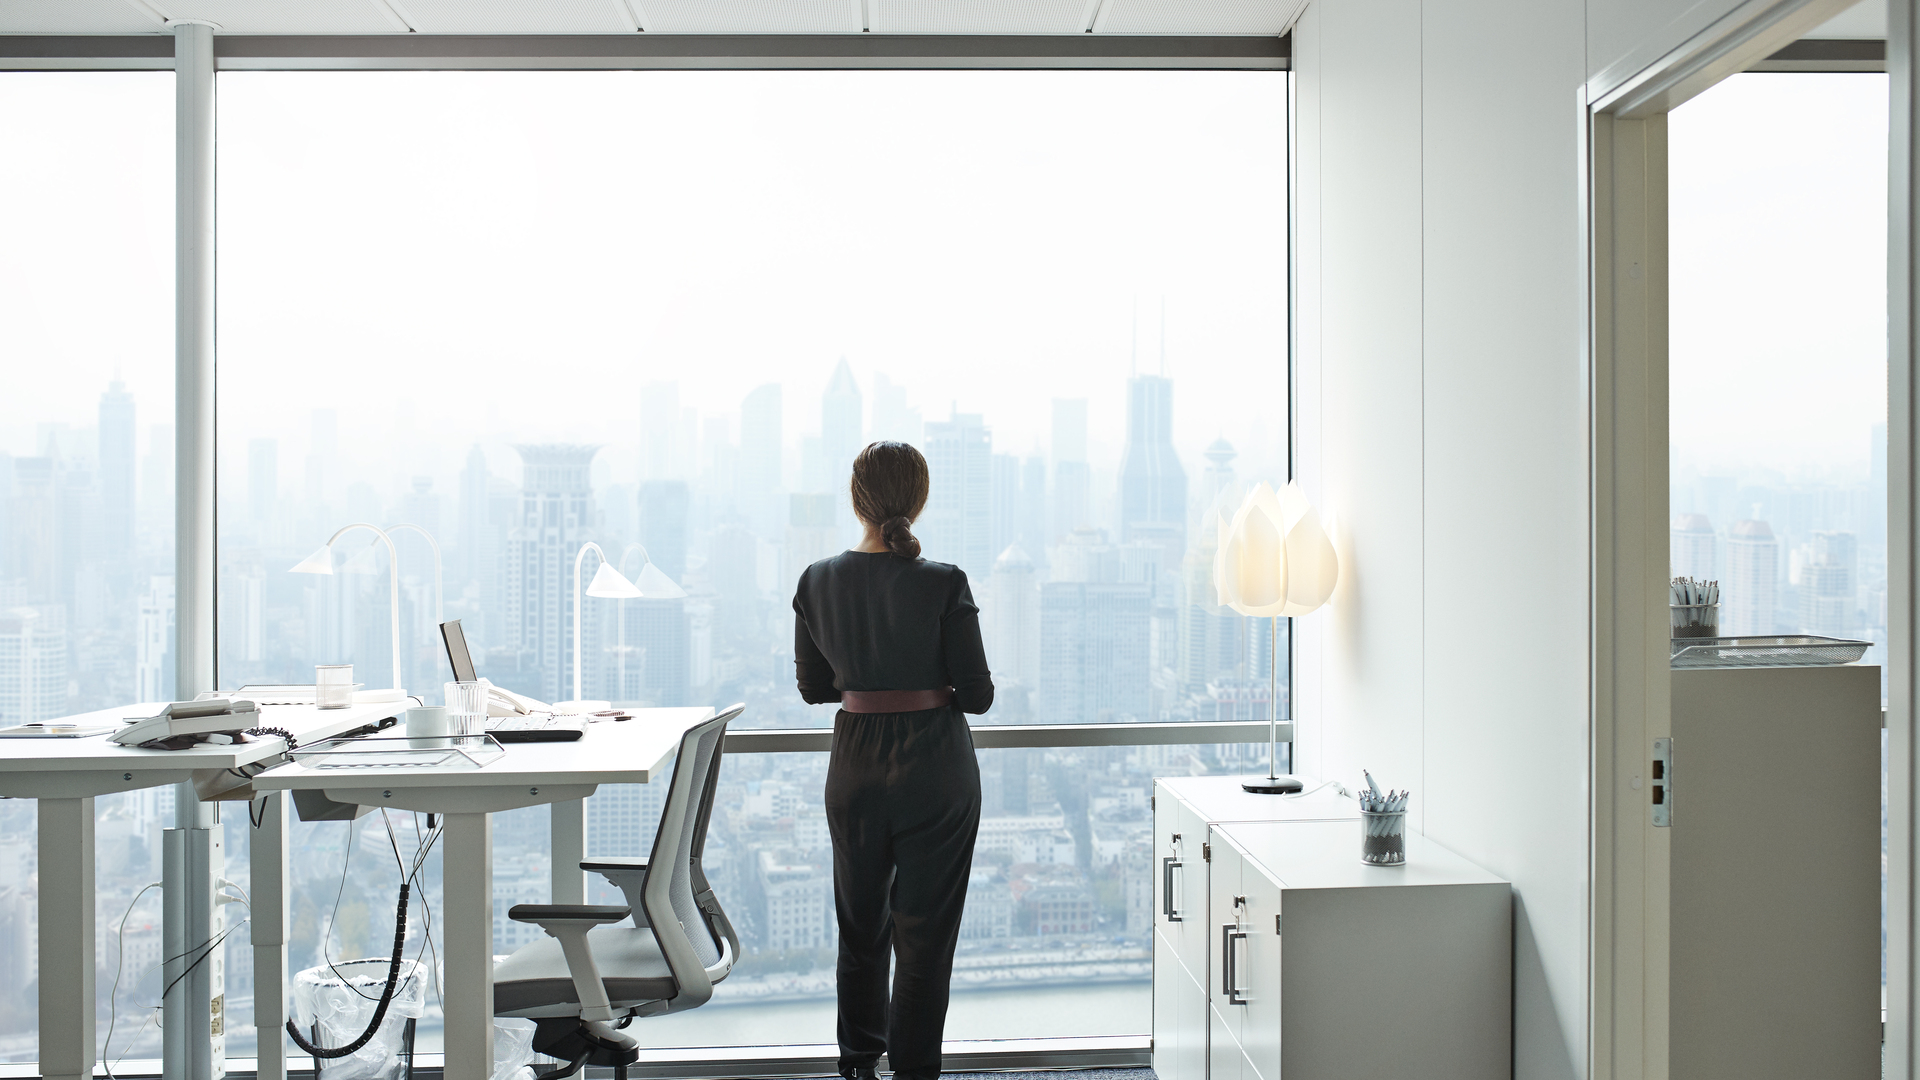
x,y
393,589
579,559
439,591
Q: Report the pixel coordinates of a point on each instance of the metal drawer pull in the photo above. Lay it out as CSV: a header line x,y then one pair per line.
x,y
1167,866
1229,965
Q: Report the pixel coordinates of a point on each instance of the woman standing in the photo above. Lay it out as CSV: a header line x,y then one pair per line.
x,y
895,639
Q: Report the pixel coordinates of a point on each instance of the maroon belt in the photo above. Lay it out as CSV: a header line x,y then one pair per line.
x,y
886,701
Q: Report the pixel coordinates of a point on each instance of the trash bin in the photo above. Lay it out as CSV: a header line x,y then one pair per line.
x,y
336,1003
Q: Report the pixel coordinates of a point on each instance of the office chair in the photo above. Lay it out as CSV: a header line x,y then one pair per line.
x,y
588,979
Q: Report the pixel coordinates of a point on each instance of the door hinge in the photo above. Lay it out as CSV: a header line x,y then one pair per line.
x,y
1276,924
1662,783
1206,851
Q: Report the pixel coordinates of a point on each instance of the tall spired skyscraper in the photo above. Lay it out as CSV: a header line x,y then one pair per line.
x,y
556,517
841,411
1153,486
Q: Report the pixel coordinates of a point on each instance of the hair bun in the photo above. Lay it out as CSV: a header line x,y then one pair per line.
x,y
897,533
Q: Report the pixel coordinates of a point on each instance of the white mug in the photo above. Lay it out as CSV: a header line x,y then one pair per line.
x,y
428,722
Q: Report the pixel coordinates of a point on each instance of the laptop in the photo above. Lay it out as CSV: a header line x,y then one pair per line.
x,y
532,725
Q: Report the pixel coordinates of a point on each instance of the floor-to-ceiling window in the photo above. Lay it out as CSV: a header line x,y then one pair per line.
x,y
86,488
1778,224
661,311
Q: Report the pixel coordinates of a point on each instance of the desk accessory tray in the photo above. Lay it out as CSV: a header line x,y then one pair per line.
x,y
1797,650
450,752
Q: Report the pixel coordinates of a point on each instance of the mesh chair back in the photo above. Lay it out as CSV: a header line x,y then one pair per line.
x,y
669,898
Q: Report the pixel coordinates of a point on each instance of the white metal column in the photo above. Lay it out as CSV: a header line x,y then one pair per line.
x,y
193,357
192,1038
468,866
1903,618
569,829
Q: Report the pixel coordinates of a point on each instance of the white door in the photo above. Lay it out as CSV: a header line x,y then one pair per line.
x,y
1259,973
1223,1062
1187,847
1190,1007
1224,943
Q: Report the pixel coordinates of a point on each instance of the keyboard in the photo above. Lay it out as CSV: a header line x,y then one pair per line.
x,y
536,728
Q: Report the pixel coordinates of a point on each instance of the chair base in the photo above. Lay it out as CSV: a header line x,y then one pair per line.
x,y
569,1039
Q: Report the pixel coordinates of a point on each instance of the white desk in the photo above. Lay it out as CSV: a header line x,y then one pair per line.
x,y
65,775
612,752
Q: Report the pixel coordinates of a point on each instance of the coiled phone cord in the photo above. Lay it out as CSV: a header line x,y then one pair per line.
x,y
386,994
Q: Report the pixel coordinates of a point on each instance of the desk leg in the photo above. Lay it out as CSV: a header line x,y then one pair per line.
x,y
569,848
66,939
267,858
469,962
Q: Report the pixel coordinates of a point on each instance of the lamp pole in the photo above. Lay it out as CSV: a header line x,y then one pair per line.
x,y
439,608
393,587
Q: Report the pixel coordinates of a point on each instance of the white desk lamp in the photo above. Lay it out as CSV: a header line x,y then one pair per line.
x,y
321,562
1274,559
613,585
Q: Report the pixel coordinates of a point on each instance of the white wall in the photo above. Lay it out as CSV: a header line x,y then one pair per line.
x,y
1442,417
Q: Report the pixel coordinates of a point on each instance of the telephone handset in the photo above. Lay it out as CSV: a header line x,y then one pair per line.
x,y
504,702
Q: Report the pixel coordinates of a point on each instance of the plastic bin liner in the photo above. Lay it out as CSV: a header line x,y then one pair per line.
x,y
512,1049
340,1000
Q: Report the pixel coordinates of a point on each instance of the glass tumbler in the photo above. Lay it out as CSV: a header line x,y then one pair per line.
x,y
1383,838
333,685
467,707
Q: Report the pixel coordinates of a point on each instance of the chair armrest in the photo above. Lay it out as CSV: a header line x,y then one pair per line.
x,y
614,863
561,914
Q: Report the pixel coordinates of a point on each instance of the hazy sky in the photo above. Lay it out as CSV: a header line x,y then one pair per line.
x,y
1778,219
452,257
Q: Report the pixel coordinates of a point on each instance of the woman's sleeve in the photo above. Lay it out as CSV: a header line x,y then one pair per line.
x,y
966,656
810,667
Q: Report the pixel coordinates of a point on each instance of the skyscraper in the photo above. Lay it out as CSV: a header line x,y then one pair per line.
x,y
1003,503
1691,544
554,520
116,476
1012,619
1094,640
1153,485
1750,588
841,426
1072,475
956,525
659,425
664,506
762,460
33,664
892,418
263,478
1826,591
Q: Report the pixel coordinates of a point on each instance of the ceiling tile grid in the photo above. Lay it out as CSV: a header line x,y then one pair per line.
x,y
982,16
1182,17
749,16
73,17
515,16
283,16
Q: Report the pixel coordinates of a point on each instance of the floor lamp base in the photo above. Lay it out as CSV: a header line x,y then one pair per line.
x,y
1273,785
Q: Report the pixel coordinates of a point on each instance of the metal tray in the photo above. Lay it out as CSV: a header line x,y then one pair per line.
x,y
401,752
1799,650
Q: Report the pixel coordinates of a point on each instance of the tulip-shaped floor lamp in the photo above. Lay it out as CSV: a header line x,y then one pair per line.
x,y
321,562
654,584
1274,559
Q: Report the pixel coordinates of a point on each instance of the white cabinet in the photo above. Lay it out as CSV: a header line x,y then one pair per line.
x,y
1430,941
1775,933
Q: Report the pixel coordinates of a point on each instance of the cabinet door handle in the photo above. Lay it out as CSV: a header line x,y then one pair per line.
x,y
1229,965
1167,866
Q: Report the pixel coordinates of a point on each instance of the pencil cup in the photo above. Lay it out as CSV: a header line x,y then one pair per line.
x,y
333,685
1383,839
1695,620
466,708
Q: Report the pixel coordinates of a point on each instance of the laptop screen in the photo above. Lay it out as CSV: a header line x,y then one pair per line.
x,y
457,655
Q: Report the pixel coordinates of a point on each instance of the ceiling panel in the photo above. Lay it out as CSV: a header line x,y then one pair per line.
x,y
982,16
516,16
749,16
284,16
1195,16
73,17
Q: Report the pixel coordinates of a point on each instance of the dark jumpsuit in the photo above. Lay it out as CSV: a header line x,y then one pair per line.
x,y
903,790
